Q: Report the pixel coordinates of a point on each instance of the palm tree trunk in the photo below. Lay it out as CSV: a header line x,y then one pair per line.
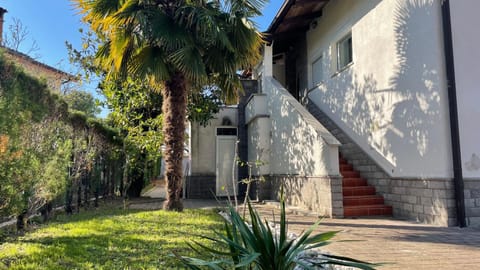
x,y
174,109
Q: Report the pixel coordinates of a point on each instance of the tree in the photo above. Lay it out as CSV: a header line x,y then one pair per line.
x,y
82,101
177,46
136,112
17,36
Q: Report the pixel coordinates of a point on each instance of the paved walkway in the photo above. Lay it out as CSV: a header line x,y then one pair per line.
x,y
399,244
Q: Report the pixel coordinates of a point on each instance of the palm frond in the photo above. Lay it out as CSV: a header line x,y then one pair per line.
x,y
230,84
121,47
162,28
248,8
149,60
188,61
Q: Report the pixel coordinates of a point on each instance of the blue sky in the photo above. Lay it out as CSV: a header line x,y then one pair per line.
x,y
52,22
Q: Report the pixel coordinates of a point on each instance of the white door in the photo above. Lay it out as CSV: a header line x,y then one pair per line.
x,y
224,165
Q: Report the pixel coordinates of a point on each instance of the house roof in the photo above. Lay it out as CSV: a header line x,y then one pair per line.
x,y
15,53
295,15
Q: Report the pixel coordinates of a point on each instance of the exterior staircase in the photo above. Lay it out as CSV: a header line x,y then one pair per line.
x,y
360,199
362,187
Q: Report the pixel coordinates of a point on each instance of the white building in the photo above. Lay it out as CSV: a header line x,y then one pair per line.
x,y
387,84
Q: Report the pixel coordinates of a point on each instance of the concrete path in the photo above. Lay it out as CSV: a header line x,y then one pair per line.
x,y
158,193
399,244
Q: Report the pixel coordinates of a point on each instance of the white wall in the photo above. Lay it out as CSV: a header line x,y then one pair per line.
x,y
258,128
299,145
259,145
203,142
392,99
466,43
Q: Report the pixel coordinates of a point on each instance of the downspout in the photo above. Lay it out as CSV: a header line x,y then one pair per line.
x,y
453,110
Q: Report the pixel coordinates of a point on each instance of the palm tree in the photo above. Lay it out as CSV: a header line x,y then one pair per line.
x,y
177,45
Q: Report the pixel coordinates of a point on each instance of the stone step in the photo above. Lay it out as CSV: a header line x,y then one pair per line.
x,y
367,210
361,162
358,191
359,199
349,174
363,200
346,167
354,182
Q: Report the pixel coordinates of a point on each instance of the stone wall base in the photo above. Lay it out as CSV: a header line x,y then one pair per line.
x,y
200,187
472,202
424,200
429,201
321,195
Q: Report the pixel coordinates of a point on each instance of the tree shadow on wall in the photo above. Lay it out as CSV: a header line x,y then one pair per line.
x,y
405,115
297,148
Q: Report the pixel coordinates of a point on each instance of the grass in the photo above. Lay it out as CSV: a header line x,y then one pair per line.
x,y
109,239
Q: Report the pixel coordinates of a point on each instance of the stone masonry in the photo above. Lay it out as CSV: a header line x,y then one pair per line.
x,y
200,186
425,200
472,202
322,195
53,77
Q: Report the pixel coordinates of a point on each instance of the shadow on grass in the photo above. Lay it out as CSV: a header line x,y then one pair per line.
x,y
109,239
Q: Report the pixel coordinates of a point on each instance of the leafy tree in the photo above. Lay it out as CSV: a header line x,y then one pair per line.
x,y
203,105
82,101
176,45
136,111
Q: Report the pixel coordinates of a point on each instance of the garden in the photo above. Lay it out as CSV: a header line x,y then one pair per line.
x,y
67,176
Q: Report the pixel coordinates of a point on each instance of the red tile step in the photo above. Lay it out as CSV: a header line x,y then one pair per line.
x,y
354,182
358,191
363,200
349,174
367,210
346,167
360,199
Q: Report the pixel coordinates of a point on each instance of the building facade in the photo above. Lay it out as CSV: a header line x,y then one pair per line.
x,y
369,107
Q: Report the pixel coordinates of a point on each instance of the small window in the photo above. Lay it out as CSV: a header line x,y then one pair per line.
x,y
227,131
344,52
317,71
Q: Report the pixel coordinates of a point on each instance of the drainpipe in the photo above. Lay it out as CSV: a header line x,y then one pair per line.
x,y
453,109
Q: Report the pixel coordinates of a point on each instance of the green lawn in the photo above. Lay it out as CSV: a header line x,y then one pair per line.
x,y
109,239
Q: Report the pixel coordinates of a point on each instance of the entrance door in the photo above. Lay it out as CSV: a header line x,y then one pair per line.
x,y
225,155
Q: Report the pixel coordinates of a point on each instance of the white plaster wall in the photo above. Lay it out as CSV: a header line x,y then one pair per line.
x,y
392,99
257,106
299,145
466,44
203,142
258,121
259,145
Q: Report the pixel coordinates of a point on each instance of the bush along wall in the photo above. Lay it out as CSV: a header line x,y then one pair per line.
x,y
48,154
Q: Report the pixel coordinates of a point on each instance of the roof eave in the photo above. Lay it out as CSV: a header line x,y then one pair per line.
x,y
282,12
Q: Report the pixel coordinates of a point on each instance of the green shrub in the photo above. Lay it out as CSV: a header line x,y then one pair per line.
x,y
258,246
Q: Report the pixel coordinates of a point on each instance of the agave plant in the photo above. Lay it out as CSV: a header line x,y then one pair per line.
x,y
260,246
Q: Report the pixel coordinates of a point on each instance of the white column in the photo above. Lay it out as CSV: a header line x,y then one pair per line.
x,y
267,61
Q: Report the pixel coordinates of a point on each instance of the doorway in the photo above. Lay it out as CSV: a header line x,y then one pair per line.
x,y
226,168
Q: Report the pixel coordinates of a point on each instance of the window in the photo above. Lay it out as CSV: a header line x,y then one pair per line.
x,y
227,131
317,71
344,52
